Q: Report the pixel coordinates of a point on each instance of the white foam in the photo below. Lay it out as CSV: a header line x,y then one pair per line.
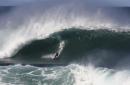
x,y
61,46
73,74
59,51
89,75
38,21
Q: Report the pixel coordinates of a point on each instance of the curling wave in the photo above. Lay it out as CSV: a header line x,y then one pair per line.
x,y
102,47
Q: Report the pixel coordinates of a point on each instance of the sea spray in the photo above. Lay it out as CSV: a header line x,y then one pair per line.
x,y
72,74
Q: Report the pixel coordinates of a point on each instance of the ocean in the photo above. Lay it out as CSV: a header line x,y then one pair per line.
x,y
64,43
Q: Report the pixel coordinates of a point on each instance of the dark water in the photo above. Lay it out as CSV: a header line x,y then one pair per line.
x,y
88,57
64,43
102,47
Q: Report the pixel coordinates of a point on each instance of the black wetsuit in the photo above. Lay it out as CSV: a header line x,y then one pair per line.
x,y
56,56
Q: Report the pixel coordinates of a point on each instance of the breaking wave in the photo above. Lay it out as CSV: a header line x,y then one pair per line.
x,y
76,43
69,75
100,47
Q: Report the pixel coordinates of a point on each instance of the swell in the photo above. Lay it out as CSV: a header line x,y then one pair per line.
x,y
102,47
40,20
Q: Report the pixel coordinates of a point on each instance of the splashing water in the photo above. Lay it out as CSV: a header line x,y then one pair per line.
x,y
36,23
70,75
100,76
59,51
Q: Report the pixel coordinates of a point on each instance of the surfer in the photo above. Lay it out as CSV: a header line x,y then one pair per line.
x,y
61,46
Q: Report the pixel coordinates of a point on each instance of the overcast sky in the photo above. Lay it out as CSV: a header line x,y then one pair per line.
x,y
93,2
14,2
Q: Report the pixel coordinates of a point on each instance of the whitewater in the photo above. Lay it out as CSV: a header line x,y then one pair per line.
x,y
92,43
37,23
68,75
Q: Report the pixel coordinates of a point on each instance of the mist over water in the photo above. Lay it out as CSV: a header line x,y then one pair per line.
x,y
36,22
92,41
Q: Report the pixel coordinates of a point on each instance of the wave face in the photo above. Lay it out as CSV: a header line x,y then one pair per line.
x,y
103,47
37,23
76,44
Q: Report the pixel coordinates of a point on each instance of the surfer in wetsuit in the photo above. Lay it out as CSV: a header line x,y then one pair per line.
x,y
61,46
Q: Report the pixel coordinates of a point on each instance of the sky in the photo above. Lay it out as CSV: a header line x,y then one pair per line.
x,y
93,2
14,2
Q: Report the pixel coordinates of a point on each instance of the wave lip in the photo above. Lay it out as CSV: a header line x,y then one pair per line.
x,y
101,47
